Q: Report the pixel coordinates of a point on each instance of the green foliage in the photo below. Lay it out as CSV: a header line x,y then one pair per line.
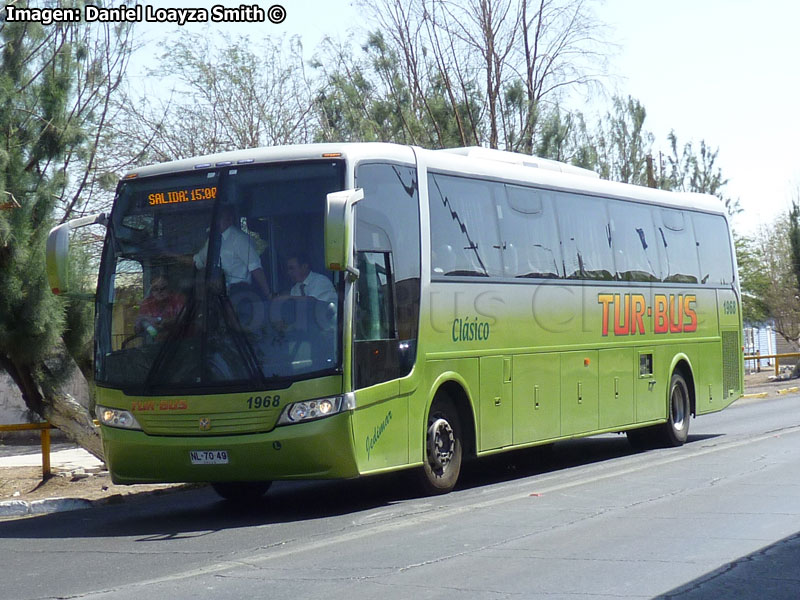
x,y
32,130
794,241
32,126
218,93
78,333
622,143
768,277
367,98
754,281
555,138
689,170
44,133
460,73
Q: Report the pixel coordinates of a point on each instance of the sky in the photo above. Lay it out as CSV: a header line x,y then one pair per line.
x,y
722,71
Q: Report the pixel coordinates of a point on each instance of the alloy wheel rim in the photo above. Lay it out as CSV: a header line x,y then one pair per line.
x,y
441,444
678,408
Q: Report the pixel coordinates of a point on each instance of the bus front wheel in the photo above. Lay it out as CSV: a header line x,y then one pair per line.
x,y
443,448
242,491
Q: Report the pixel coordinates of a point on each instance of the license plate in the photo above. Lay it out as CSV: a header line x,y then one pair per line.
x,y
209,457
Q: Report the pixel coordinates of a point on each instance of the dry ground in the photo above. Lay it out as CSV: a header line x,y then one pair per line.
x,y
25,483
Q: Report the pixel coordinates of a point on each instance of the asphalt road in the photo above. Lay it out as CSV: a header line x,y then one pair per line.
x,y
717,518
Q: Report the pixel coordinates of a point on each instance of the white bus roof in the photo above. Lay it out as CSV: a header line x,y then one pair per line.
x,y
474,161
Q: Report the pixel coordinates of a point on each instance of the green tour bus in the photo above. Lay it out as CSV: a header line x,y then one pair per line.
x,y
336,310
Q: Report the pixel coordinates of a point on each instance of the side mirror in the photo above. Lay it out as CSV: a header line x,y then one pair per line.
x,y
339,225
57,251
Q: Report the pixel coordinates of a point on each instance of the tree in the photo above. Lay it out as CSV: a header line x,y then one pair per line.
x,y
366,97
794,242
620,148
55,87
768,278
695,171
448,73
622,144
754,280
225,94
563,48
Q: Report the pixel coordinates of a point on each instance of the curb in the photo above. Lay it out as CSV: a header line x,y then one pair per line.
x,y
22,508
790,390
45,506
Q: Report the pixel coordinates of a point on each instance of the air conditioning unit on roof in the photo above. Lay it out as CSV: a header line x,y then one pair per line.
x,y
516,158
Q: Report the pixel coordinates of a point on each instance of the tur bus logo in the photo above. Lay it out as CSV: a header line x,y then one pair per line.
x,y
670,313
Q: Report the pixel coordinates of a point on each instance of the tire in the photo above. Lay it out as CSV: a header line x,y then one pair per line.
x,y
242,492
444,448
676,430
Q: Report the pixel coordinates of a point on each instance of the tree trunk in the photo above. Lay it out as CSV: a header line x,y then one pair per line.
x,y
63,400
69,416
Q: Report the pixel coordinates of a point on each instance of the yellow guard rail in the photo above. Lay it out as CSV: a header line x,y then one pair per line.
x,y
777,358
45,432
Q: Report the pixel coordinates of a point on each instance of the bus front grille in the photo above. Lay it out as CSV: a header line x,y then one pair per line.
x,y
208,423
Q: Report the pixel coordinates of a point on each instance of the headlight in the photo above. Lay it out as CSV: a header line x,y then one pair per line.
x,y
115,417
316,409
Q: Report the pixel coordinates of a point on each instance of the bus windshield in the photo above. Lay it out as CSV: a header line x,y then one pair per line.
x,y
214,279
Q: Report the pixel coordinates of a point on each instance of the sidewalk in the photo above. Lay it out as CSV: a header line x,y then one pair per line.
x,y
763,385
79,480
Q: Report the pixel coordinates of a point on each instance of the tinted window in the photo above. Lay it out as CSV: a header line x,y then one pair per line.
x,y
714,249
182,301
388,248
633,239
677,244
387,219
374,305
464,235
529,233
585,237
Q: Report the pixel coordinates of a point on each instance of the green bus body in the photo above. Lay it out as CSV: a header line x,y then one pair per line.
x,y
525,360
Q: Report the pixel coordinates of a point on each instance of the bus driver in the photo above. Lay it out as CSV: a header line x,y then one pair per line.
x,y
240,260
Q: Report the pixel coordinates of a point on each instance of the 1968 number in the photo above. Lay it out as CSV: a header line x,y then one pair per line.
x,y
257,402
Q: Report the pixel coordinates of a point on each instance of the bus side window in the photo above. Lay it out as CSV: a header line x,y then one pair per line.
x,y
676,241
633,239
464,219
585,237
712,235
530,238
375,299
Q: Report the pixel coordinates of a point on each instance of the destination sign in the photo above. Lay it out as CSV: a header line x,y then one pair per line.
x,y
183,195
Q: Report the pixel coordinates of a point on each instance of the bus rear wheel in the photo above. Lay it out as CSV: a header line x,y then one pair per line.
x,y
242,491
675,431
443,448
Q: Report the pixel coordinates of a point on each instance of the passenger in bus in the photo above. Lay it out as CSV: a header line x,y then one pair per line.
x,y
308,282
160,310
241,263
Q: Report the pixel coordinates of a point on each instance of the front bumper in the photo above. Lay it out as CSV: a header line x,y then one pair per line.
x,y
321,449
